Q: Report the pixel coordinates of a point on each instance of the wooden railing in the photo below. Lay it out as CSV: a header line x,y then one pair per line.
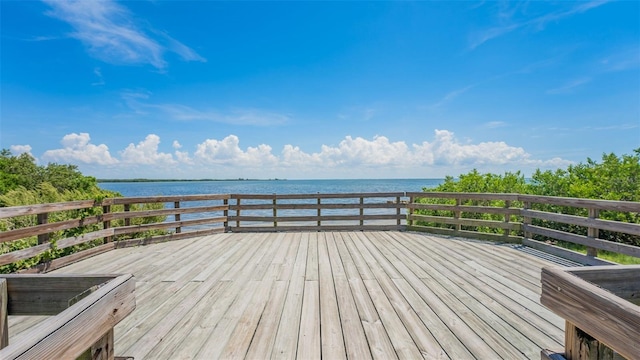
x,y
601,306
117,222
317,212
208,216
526,219
83,311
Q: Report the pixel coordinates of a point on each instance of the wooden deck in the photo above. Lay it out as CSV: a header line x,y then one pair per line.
x,y
334,295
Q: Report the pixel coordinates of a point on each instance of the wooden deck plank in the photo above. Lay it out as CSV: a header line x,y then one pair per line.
x,y
531,324
331,331
522,316
377,337
309,336
334,295
242,334
355,340
199,334
286,344
265,336
508,288
531,311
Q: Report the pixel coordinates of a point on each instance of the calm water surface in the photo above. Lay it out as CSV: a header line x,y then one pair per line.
x,y
269,186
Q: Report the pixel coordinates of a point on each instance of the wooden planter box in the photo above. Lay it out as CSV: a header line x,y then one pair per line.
x,y
601,305
83,308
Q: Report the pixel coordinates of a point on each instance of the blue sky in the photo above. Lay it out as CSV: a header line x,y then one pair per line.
x,y
305,90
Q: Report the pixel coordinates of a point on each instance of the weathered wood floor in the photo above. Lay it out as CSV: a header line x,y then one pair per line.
x,y
335,295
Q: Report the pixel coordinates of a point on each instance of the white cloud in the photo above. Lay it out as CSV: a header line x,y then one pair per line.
x,y
21,149
110,33
227,152
351,157
446,150
77,148
146,152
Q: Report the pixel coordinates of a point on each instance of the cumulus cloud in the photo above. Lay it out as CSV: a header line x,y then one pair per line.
x,y
21,149
228,152
77,148
377,156
146,152
110,33
443,150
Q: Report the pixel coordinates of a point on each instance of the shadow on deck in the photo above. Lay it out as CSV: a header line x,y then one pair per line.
x,y
329,294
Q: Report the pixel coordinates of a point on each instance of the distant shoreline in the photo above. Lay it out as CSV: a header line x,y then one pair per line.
x,y
178,180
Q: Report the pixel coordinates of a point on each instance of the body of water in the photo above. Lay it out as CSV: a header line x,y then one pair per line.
x,y
269,186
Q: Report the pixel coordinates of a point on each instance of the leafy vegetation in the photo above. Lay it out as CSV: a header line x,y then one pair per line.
x,y
614,178
23,182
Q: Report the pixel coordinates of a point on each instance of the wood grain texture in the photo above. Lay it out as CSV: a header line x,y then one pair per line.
x,y
598,312
357,295
4,314
77,328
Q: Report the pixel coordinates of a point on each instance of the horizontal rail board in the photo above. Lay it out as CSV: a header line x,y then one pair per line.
x,y
69,259
466,234
7,212
168,237
564,253
469,196
584,240
163,212
22,233
165,225
624,206
163,199
315,206
30,252
315,228
316,218
317,196
466,222
465,208
616,226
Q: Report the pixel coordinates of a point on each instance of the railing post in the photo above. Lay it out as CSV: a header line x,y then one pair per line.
x,y
225,202
456,215
43,219
127,221
410,211
361,211
106,210
275,211
4,318
592,233
176,216
238,212
398,211
319,211
507,218
526,220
